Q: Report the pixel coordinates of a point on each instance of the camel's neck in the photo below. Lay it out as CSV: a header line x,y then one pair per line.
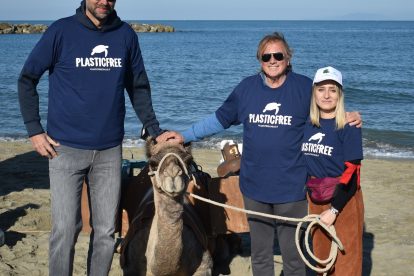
x,y
168,225
168,211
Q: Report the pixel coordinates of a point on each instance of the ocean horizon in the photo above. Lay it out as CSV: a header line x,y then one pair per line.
x,y
193,70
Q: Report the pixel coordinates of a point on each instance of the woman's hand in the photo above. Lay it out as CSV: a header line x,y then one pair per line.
x,y
327,217
354,119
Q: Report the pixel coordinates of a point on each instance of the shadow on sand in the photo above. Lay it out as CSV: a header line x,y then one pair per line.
x,y
9,218
368,243
27,170
24,171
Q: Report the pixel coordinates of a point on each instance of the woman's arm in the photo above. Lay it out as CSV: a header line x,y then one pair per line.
x,y
343,192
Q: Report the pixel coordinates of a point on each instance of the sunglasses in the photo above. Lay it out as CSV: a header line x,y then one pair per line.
x,y
276,56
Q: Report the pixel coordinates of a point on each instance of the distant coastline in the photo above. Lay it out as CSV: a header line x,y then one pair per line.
x,y
26,28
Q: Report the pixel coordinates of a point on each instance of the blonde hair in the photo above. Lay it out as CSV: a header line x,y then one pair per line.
x,y
271,38
340,120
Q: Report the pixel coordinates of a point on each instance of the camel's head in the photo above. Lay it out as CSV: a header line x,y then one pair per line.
x,y
168,164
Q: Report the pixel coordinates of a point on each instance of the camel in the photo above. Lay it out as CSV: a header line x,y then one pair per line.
x,y
164,238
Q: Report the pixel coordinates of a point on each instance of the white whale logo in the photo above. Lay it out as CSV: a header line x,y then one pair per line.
x,y
100,49
272,106
318,136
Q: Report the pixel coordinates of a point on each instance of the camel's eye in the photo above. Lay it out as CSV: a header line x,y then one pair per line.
x,y
153,164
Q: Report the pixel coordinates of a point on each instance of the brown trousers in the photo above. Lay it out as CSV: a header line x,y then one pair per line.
x,y
349,229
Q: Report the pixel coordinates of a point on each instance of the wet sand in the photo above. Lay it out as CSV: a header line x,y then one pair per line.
x,y
388,188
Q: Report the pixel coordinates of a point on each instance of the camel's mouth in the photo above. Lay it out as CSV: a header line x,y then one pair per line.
x,y
171,174
174,195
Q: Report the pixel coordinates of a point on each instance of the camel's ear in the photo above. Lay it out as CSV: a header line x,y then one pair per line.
x,y
150,147
187,148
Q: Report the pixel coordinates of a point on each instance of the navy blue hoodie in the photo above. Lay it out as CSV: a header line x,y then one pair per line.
x,y
89,69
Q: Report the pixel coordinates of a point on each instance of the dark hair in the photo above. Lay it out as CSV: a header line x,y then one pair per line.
x,y
275,37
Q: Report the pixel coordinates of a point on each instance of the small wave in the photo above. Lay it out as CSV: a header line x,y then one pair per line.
x,y
383,150
212,143
371,149
13,139
382,153
130,143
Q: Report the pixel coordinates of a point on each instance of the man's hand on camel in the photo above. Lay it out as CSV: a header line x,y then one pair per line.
x,y
170,136
44,145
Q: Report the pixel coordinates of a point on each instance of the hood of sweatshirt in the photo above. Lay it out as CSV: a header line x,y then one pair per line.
x,y
112,22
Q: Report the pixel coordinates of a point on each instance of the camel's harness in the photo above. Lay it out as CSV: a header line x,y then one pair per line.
x,y
311,219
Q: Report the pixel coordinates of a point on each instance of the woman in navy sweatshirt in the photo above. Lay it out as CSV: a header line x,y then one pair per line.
x,y
333,154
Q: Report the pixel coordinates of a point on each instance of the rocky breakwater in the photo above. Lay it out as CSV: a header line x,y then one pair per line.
x,y
7,28
151,28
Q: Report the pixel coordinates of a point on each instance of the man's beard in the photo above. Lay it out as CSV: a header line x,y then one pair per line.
x,y
100,16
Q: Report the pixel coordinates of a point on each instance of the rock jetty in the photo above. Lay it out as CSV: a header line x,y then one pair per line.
x,y
7,28
151,28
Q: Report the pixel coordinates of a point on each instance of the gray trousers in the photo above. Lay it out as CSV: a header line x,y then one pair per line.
x,y
102,169
262,232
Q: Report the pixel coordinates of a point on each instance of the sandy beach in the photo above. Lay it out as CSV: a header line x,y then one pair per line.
x,y
388,188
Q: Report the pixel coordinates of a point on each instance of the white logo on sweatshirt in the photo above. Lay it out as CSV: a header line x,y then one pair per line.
x,y
270,120
316,149
318,136
96,63
272,106
100,49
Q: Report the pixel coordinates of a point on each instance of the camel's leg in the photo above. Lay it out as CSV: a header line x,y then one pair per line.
x,y
135,255
205,268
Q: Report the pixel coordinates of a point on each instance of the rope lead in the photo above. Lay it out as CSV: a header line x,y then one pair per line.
x,y
313,220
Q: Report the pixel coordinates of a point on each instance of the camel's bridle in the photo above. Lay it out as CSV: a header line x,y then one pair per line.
x,y
156,173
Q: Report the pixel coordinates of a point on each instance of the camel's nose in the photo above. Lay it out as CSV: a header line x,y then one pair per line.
x,y
173,179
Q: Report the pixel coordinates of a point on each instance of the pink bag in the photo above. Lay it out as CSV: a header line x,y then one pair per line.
x,y
321,190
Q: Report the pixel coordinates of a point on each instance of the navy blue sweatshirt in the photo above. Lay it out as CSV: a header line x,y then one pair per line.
x,y
89,69
272,166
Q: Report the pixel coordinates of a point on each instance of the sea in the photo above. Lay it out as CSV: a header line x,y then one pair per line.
x,y
194,69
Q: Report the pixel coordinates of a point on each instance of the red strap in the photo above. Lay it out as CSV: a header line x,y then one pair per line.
x,y
349,171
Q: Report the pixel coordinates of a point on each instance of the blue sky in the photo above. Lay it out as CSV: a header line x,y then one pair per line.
x,y
221,9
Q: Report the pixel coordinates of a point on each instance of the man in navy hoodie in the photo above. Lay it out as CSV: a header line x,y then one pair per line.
x,y
92,57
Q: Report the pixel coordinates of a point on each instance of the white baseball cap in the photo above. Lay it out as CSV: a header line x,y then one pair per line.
x,y
327,73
